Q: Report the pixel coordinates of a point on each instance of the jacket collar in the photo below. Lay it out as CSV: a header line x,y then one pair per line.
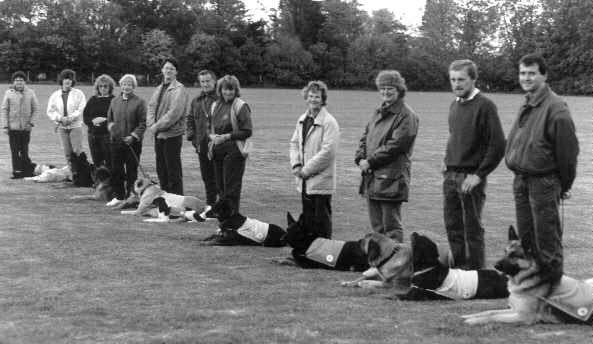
x,y
391,109
471,96
318,119
536,98
173,84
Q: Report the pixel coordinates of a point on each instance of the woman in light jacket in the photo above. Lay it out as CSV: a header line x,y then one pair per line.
x,y
64,108
313,148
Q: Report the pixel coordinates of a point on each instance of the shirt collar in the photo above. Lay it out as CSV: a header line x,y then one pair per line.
x,y
471,96
536,98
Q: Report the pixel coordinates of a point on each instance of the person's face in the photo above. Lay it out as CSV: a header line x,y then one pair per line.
x,y
388,94
127,87
169,72
461,84
66,84
207,83
314,100
19,84
530,77
228,94
103,89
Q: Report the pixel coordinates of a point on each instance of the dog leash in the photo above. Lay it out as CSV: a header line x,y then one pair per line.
x,y
144,174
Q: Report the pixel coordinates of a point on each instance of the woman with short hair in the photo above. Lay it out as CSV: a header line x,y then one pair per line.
x,y
95,118
231,126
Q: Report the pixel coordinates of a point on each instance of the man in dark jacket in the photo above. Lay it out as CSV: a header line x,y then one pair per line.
x,y
474,149
198,128
542,150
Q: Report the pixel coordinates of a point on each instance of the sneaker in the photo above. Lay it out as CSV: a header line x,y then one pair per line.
x,y
114,202
207,213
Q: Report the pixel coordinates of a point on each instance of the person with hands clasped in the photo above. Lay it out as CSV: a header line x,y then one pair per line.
x,y
95,118
313,148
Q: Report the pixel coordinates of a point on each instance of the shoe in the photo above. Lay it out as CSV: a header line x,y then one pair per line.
x,y
17,175
114,202
207,214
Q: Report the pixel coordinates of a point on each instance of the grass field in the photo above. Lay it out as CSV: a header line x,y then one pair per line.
x,y
76,272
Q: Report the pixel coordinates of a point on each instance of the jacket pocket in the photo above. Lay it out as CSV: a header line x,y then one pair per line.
x,y
389,184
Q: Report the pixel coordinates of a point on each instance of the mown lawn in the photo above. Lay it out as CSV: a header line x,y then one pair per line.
x,y
76,272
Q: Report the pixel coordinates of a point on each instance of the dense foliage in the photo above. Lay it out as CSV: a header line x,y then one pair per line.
x,y
332,40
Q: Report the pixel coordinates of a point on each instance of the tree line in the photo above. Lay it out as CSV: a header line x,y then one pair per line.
x,y
331,40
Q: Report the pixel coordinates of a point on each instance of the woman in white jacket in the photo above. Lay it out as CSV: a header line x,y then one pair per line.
x,y
64,108
313,149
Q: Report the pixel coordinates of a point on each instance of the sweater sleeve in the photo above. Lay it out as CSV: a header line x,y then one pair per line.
x,y
190,120
86,113
244,125
566,148
495,141
138,132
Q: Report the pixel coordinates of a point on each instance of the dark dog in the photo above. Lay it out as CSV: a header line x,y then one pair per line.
x,y
432,279
310,251
82,170
533,299
236,229
102,184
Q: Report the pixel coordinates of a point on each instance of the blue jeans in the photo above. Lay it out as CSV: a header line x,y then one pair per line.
x,y
463,220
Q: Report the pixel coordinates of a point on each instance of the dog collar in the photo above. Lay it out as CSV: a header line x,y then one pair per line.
x,y
423,271
395,250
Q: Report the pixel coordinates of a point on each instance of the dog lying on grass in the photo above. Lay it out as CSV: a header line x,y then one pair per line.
x,y
82,170
103,190
533,300
428,277
50,174
237,229
310,251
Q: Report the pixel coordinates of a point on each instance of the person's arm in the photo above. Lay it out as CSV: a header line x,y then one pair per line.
x,y
190,121
295,150
244,125
79,106
329,145
53,111
493,136
4,110
400,142
138,132
566,144
34,107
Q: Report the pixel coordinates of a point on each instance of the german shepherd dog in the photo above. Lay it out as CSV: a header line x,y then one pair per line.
x,y
534,300
312,252
82,170
432,279
102,185
237,229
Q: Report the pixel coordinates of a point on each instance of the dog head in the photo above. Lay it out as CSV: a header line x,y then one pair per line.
x,y
141,184
298,236
102,175
103,188
223,209
516,260
39,169
392,259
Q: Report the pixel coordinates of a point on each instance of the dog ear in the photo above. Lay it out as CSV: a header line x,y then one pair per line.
x,y
373,252
289,219
513,235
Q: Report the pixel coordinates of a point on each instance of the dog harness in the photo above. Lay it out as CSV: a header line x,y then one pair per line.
x,y
325,251
459,284
254,230
573,297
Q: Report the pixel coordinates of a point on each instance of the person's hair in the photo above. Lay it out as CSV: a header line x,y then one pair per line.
x,y
104,79
228,82
171,60
534,59
207,72
67,74
131,77
468,65
316,86
394,79
19,74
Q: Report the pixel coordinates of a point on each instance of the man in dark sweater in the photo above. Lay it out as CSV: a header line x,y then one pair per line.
x,y
474,149
542,151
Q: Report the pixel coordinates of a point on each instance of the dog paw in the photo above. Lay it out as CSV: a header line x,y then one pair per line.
x,y
350,284
128,212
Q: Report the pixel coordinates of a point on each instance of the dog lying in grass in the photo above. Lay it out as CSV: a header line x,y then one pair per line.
x,y
50,174
103,190
533,300
312,252
82,170
237,229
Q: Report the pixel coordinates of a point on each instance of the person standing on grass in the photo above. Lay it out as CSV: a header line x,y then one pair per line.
x,y
166,119
198,131
95,118
64,108
474,148
126,122
313,149
231,126
19,107
542,150
384,154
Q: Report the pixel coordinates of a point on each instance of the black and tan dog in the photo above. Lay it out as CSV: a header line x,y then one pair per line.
x,y
533,299
82,170
103,190
312,252
237,229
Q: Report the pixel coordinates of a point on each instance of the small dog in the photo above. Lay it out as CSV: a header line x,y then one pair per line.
x,y
82,170
173,205
236,229
311,252
432,279
390,263
48,174
533,300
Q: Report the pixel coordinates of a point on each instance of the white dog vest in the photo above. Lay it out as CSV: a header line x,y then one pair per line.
x,y
325,251
459,284
254,229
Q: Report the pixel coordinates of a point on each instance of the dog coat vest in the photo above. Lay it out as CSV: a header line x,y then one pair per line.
x,y
254,229
459,284
325,251
573,297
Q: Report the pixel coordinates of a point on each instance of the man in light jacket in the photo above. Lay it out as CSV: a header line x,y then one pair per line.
x,y
64,108
18,109
313,148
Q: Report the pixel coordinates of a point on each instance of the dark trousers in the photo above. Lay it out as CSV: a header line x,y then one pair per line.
x,y
208,176
99,145
386,218
537,200
463,221
124,167
18,141
317,213
168,164
229,166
